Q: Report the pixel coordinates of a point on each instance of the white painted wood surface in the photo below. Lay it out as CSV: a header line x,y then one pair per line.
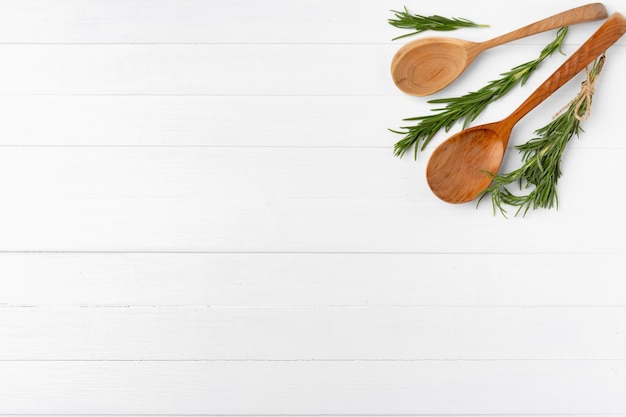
x,y
200,214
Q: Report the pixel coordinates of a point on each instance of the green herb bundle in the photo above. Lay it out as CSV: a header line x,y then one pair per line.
x,y
542,156
419,23
467,107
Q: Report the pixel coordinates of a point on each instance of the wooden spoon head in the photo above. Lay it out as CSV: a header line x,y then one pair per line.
x,y
425,66
457,169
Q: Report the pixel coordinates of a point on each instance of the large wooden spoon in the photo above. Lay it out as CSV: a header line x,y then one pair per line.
x,y
456,169
427,65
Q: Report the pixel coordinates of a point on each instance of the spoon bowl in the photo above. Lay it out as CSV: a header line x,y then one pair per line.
x,y
424,66
427,65
458,170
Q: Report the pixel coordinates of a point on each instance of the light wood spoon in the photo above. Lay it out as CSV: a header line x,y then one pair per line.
x,y
427,65
456,169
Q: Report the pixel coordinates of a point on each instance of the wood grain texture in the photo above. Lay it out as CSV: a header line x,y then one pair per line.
x,y
290,280
204,121
275,200
310,387
425,66
257,334
297,70
200,214
245,21
216,121
455,170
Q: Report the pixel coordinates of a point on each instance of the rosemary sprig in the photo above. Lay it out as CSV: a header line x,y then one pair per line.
x,y
467,107
405,20
542,156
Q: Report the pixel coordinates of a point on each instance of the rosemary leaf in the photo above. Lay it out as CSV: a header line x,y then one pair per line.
x,y
467,107
541,157
405,20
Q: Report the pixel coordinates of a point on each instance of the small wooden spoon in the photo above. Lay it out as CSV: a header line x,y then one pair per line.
x,y
427,65
456,169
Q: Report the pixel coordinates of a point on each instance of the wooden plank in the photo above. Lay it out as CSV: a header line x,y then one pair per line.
x,y
251,121
329,225
214,69
296,415
193,21
227,121
310,280
216,174
284,263
402,333
281,21
195,69
231,174
309,387
280,200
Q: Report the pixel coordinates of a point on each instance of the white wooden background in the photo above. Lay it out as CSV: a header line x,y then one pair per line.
x,y
200,214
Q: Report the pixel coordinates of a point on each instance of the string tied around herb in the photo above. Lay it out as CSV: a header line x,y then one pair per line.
x,y
587,89
542,156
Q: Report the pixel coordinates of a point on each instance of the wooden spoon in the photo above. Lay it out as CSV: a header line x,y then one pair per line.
x,y
456,169
427,65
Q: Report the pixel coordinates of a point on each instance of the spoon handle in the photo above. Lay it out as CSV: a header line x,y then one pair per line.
x,y
600,41
587,13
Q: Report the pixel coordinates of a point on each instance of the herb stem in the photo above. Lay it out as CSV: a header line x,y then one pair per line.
x,y
469,106
405,20
542,156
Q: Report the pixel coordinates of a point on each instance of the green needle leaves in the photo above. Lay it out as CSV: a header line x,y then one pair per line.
x,y
467,107
542,157
419,23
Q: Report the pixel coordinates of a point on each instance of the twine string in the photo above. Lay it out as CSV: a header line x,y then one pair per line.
x,y
587,90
